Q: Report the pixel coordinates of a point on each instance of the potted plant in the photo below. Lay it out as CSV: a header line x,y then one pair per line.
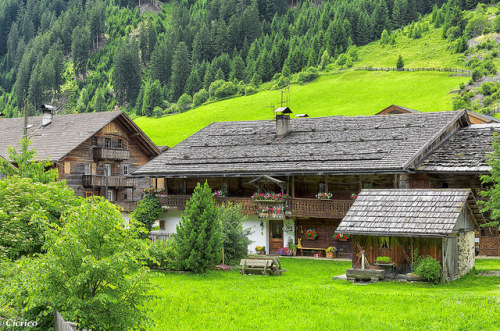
x,y
329,252
354,196
261,250
293,249
288,211
278,197
284,251
383,260
311,234
324,196
220,194
263,211
342,237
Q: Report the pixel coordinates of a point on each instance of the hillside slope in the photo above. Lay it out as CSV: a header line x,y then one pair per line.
x,y
348,93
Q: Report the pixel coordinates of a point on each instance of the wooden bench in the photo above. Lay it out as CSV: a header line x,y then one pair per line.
x,y
302,248
266,265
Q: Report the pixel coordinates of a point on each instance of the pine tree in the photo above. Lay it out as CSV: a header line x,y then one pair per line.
x,y
127,72
80,48
161,62
198,236
181,68
400,63
153,97
237,68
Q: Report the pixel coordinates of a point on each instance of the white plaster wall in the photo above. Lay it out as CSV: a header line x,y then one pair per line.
x,y
466,252
259,235
288,235
172,218
126,217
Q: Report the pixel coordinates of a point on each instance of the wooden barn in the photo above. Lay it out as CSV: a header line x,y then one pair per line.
x,y
396,223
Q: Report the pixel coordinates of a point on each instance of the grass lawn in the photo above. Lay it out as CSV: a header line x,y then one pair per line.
x,y
306,298
349,93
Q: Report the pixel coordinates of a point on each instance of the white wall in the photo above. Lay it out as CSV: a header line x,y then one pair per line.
x,y
288,235
259,235
172,218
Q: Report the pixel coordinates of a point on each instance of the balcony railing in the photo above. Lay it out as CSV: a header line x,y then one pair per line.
x,y
299,207
113,181
101,153
128,206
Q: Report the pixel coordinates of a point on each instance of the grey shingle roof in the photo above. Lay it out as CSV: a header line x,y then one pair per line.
x,y
65,133
412,212
337,144
465,151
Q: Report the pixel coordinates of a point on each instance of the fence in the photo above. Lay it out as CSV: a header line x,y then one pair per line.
x,y
414,69
156,235
62,325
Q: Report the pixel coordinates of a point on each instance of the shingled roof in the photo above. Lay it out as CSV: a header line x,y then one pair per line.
x,y
464,152
321,145
405,213
64,133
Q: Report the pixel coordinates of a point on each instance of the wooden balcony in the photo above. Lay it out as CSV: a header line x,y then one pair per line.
x,y
101,153
113,181
299,207
127,206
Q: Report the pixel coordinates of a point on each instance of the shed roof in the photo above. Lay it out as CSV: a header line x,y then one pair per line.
x,y
465,152
65,133
320,145
405,213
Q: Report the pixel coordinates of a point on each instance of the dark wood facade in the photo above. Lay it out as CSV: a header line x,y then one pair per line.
x,y
117,148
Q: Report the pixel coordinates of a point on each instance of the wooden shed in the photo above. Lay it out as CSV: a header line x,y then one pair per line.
x,y
396,223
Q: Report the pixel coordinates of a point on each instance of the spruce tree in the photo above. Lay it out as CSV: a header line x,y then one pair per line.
x,y
181,68
198,238
400,63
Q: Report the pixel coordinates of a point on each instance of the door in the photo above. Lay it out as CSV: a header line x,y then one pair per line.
x,y
275,235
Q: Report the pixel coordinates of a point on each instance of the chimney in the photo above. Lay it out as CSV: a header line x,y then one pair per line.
x,y
282,121
47,112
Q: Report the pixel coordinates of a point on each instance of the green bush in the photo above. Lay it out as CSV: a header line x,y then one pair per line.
x,y
307,76
214,87
383,259
400,62
476,74
161,255
200,98
226,90
282,82
249,90
488,88
148,211
429,269
487,101
462,86
234,237
185,102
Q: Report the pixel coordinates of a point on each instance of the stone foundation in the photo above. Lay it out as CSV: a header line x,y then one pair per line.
x,y
466,252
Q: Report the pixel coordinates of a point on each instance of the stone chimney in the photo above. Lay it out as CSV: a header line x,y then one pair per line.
x,y
47,113
282,121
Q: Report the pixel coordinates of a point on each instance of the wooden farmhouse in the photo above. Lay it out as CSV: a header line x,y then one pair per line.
x,y
84,146
397,223
302,158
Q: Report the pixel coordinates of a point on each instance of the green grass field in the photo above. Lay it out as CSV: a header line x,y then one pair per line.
x,y
348,93
306,297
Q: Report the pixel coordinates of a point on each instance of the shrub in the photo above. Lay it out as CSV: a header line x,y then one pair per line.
x,y
476,75
234,237
488,88
148,211
307,76
249,90
462,86
400,63
200,98
429,269
489,66
226,90
383,259
487,101
184,103
282,82
161,255
214,87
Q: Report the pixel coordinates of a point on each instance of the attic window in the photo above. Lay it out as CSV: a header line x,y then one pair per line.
x,y
94,141
107,143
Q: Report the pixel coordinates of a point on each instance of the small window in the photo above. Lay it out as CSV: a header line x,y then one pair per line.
x,y
94,141
445,185
368,185
125,169
182,187
88,169
125,196
107,143
163,225
107,170
88,194
384,242
321,187
67,168
119,144
111,195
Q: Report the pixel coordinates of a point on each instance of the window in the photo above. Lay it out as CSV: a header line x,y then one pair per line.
x,y
107,142
125,196
94,141
111,195
163,225
367,185
107,170
182,187
88,194
88,169
119,144
125,169
384,242
67,168
321,187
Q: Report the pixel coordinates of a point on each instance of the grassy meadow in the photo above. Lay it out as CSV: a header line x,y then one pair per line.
x,y
306,297
348,93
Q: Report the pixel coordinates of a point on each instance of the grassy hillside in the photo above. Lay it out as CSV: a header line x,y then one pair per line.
x,y
349,93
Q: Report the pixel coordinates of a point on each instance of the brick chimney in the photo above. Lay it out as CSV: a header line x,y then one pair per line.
x,y
282,121
47,113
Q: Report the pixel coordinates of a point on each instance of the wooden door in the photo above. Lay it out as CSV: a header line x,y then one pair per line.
x,y
275,235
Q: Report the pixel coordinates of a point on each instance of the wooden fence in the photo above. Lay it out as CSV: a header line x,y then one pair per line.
x,y
414,69
157,235
60,324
